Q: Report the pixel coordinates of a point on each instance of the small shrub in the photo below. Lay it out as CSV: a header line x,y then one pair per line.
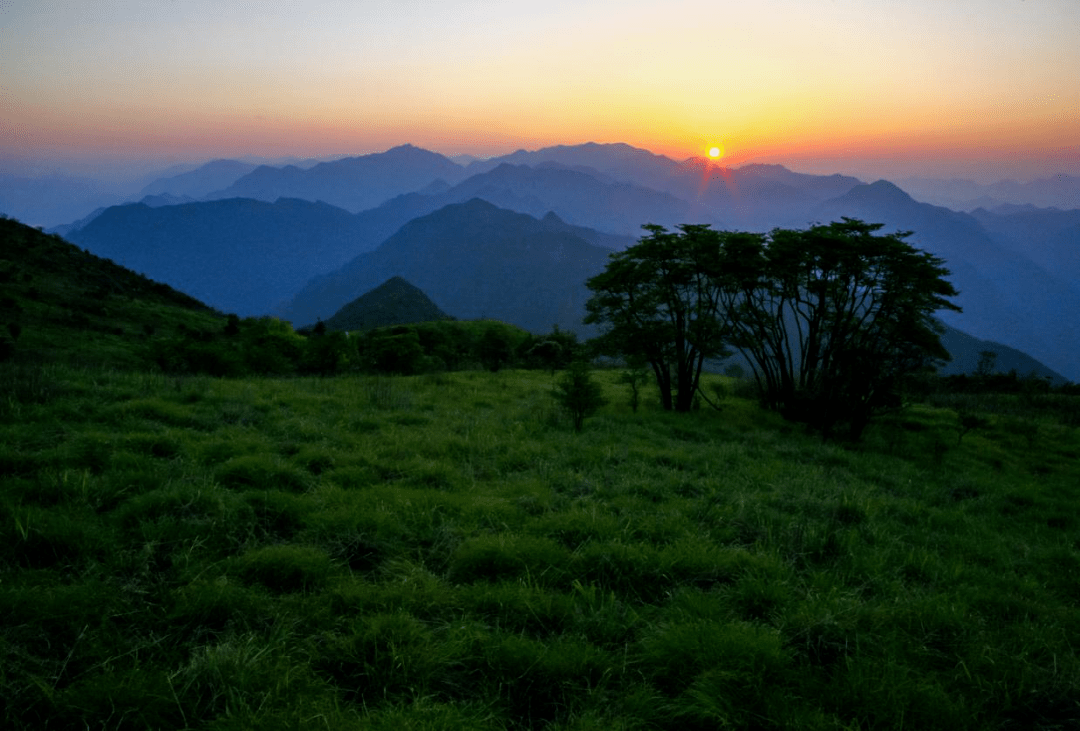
x,y
579,394
636,379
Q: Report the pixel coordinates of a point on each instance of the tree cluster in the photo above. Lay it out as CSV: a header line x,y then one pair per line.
x,y
830,318
270,347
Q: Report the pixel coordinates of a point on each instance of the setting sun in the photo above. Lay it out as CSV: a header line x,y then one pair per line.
x,y
716,152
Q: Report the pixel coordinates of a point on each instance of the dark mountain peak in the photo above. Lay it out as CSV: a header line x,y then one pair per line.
x,y
475,260
552,218
394,302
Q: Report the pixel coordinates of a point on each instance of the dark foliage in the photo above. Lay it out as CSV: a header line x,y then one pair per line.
x,y
579,394
659,302
832,318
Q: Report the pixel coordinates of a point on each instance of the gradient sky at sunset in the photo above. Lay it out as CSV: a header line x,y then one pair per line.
x,y
974,88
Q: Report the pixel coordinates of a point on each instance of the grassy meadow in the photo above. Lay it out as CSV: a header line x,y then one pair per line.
x,y
444,552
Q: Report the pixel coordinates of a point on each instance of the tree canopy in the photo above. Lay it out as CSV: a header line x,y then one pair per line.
x,y
830,318
658,301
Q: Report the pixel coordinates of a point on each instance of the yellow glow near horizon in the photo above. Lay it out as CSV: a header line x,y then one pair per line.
x,y
827,86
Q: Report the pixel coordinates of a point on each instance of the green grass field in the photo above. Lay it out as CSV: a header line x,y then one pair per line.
x,y
444,552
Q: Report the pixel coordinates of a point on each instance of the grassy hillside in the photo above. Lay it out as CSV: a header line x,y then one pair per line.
x,y
59,303
442,551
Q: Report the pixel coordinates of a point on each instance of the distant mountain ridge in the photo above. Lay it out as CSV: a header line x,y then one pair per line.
x,y
353,183
1006,297
1058,191
202,181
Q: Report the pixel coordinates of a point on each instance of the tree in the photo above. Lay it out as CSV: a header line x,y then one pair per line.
x,y
579,393
833,318
555,350
985,367
657,302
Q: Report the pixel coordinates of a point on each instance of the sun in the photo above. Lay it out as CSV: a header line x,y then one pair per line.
x,y
716,152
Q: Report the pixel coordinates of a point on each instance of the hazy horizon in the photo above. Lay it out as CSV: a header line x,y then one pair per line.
x,y
973,89
126,173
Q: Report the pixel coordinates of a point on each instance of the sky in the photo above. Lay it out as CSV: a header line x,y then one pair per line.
x,y
980,89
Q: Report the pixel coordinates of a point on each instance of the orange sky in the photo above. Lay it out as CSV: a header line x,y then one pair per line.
x,y
979,88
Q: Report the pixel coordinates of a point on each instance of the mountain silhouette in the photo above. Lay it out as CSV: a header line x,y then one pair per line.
x,y
202,181
1005,296
394,302
1048,236
238,255
966,352
754,196
475,260
1057,191
354,183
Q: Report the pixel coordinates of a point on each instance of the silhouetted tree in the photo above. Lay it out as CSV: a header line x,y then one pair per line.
x,y
833,318
830,318
657,302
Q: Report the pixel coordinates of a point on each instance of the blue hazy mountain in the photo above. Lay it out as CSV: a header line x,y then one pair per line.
x,y
473,260
202,181
237,255
1048,236
54,200
1005,295
753,196
1057,191
353,183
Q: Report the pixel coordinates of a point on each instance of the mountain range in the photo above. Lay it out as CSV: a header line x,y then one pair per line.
x,y
354,183
1016,268
1059,191
476,261
1005,295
